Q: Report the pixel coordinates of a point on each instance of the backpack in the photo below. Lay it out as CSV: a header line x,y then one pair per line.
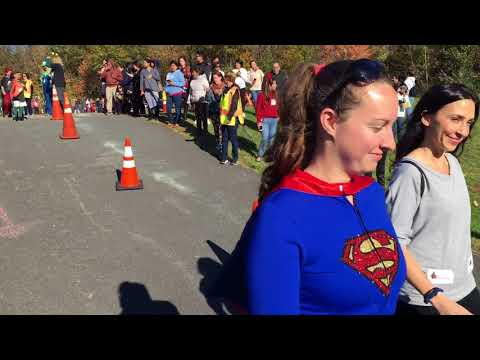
x,y
422,174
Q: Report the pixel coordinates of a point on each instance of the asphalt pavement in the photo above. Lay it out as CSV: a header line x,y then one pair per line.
x,y
71,244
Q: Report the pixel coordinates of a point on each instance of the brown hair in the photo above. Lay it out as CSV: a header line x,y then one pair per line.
x,y
230,76
305,96
266,90
56,59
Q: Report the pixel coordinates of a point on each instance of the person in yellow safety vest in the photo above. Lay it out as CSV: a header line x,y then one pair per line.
x,y
231,113
28,93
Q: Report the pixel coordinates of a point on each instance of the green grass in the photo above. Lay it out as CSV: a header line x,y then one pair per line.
x,y
249,139
470,161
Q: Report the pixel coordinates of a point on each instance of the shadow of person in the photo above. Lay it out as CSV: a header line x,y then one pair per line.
x,y
211,269
135,300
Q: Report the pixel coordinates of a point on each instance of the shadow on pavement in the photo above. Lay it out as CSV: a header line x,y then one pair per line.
x,y
210,269
135,300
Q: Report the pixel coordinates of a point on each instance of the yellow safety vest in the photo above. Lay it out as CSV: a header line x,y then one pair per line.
x,y
225,103
27,92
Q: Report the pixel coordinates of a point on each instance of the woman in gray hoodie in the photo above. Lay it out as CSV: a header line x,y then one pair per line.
x,y
149,77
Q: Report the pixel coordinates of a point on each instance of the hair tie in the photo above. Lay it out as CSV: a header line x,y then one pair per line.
x,y
317,68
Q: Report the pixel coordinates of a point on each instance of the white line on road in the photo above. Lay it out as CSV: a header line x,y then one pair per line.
x,y
88,214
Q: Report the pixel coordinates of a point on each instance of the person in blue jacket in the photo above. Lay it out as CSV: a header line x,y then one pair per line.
x,y
321,240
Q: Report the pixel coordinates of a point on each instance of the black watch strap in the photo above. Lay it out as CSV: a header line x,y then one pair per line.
x,y
430,294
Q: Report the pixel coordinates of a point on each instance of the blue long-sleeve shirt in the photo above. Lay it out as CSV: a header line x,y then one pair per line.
x,y
178,82
308,250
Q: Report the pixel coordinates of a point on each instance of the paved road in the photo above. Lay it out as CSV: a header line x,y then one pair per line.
x,y
68,240
71,244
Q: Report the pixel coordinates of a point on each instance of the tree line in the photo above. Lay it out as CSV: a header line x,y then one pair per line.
x,y
431,64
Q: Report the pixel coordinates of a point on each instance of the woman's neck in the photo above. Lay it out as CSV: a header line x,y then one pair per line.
x,y
432,150
327,167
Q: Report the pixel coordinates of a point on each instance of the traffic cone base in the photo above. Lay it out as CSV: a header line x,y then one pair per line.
x,y
119,187
71,137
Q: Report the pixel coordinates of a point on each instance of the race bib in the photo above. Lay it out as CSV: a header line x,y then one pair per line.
x,y
470,264
440,276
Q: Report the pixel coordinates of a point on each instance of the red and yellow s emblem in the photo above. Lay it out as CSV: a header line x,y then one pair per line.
x,y
359,254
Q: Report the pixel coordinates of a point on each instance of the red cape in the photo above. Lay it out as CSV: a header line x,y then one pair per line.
x,y
302,181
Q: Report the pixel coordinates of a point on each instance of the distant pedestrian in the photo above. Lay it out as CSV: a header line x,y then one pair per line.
x,y
28,92
58,79
187,74
17,94
267,116
197,95
231,115
217,88
6,86
255,76
174,89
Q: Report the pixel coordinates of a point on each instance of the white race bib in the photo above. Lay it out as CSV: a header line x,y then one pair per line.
x,y
470,264
440,276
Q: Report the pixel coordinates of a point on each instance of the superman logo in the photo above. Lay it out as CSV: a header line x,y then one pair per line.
x,y
359,254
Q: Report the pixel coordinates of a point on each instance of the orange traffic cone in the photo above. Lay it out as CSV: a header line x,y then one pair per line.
x,y
69,129
57,113
129,179
164,101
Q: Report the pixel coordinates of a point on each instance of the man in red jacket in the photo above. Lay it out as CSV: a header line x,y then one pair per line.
x,y
112,77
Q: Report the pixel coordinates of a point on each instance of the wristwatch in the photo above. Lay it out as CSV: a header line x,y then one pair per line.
x,y
430,294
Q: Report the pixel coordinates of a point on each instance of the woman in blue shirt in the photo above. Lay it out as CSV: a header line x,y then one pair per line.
x,y
174,89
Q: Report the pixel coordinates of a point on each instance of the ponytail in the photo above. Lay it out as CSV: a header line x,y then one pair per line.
x,y
295,139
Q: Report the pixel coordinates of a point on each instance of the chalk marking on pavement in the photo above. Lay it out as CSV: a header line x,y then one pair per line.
x,y
167,253
114,146
170,180
9,230
85,212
